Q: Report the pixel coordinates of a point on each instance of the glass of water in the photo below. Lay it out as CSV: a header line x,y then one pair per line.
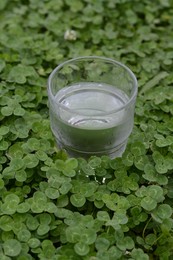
x,y
91,104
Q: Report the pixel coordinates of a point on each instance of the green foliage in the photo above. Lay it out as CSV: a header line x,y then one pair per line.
x,y
56,207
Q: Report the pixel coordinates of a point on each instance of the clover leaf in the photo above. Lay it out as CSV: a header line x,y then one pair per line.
x,y
139,254
6,223
30,161
148,203
81,248
125,243
24,235
10,204
163,211
12,247
77,200
20,73
68,167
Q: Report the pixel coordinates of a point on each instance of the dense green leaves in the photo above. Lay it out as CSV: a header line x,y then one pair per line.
x,y
56,207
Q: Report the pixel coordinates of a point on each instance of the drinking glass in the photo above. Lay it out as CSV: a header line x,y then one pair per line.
x,y
91,104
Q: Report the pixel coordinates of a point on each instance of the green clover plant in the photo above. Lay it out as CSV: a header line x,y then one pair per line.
x,y
61,208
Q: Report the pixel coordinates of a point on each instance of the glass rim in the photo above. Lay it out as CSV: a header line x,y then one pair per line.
x,y
114,62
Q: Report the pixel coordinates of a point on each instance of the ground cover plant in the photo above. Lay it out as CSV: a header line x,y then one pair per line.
x,y
60,208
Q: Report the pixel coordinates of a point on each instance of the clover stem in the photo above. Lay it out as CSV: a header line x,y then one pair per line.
x,y
143,233
108,230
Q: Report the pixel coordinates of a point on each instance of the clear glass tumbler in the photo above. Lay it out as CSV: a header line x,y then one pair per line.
x,y
91,104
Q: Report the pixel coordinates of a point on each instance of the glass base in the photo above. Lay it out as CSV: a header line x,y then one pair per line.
x,y
113,153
